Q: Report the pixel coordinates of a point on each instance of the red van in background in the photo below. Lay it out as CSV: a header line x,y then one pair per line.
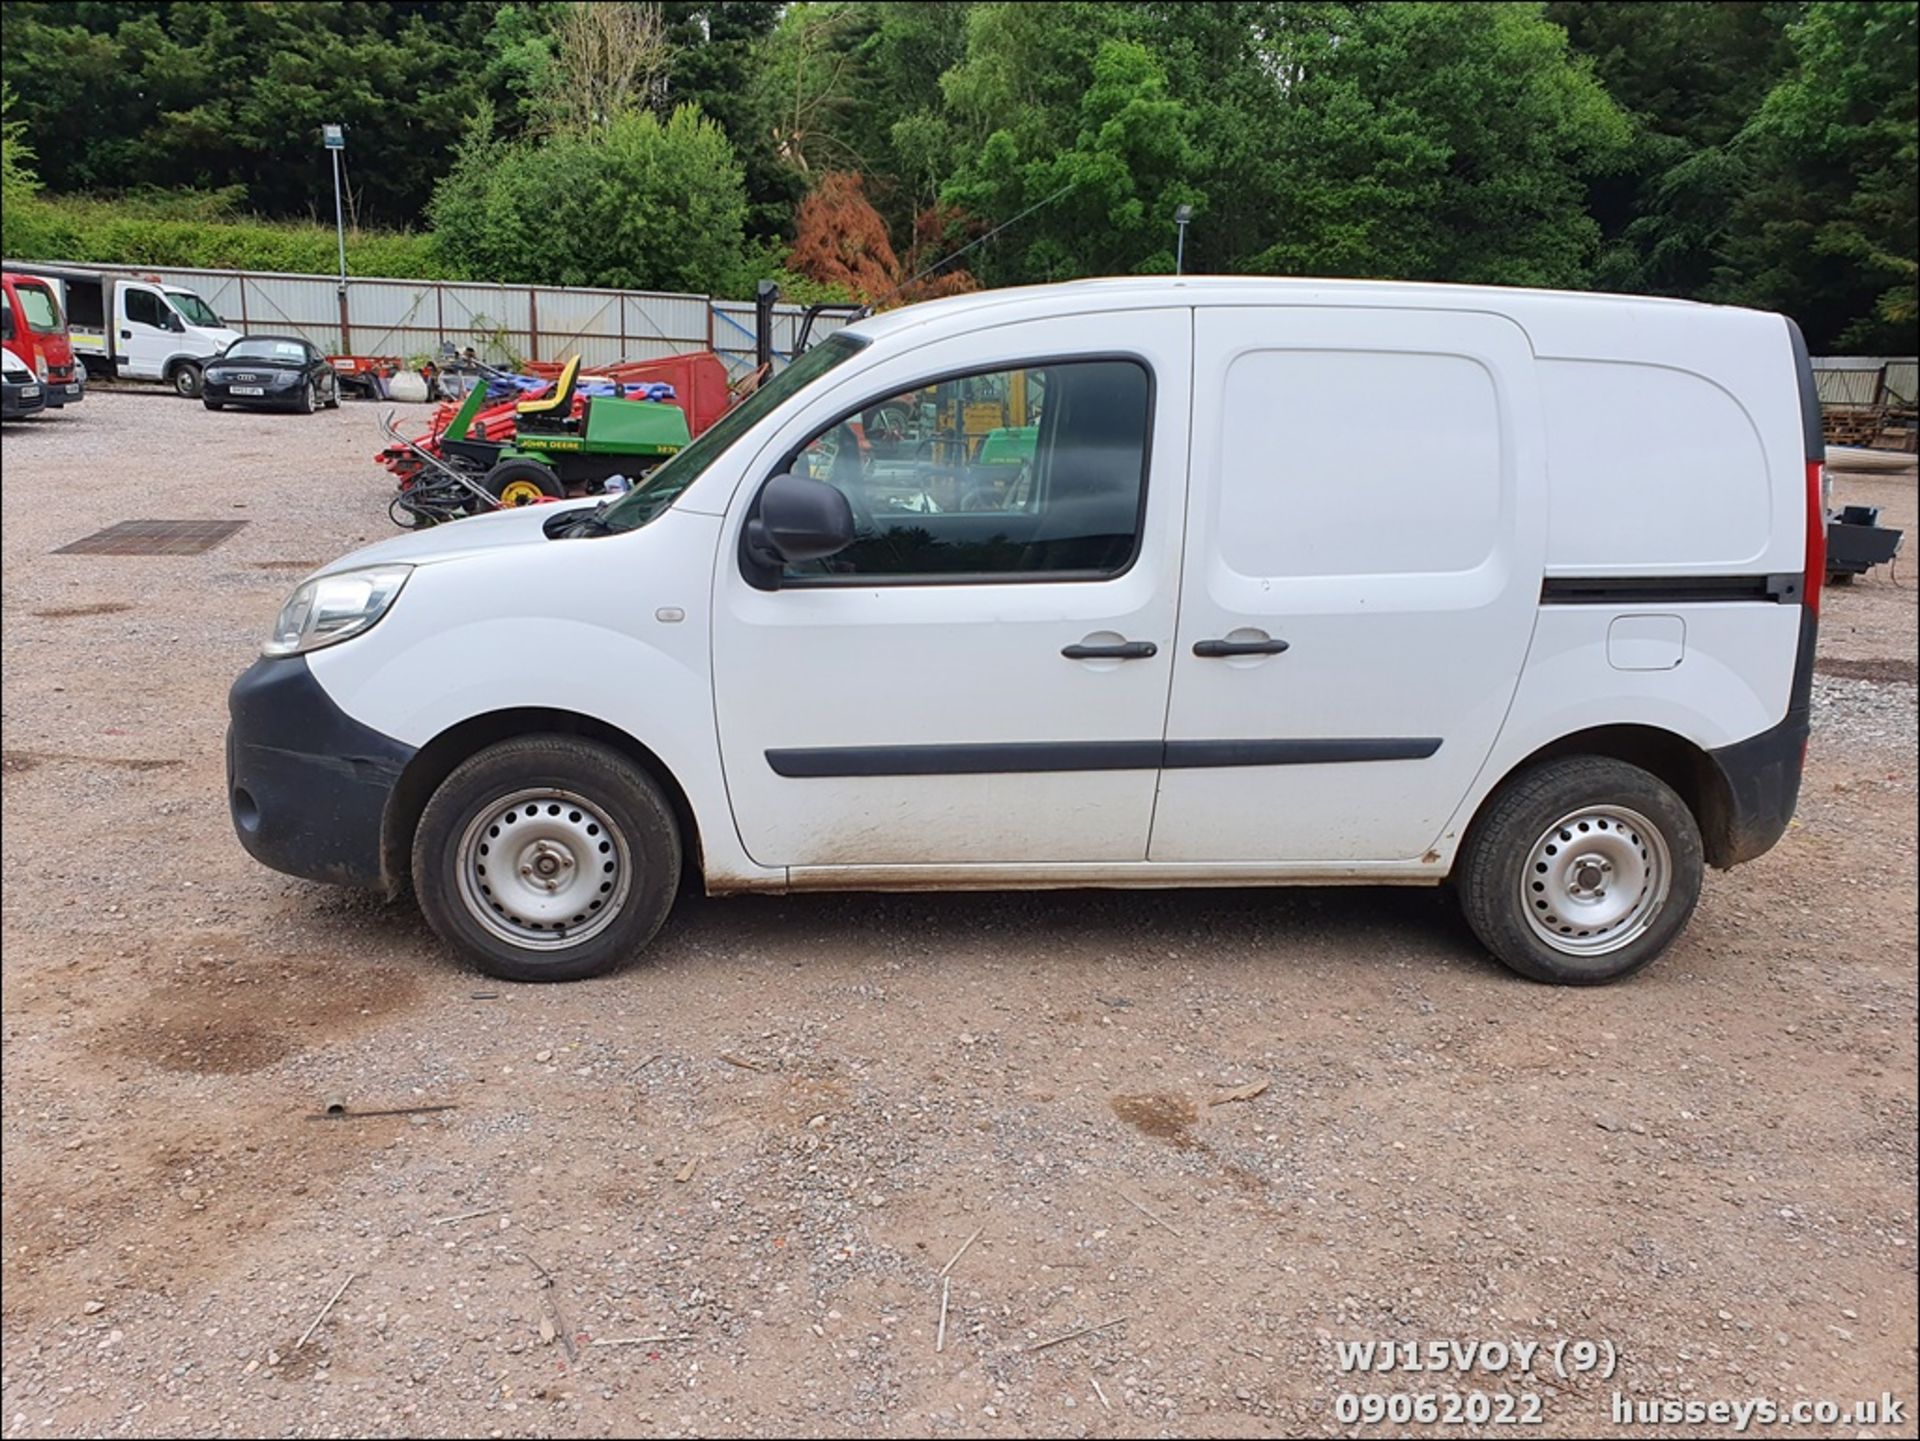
x,y
33,328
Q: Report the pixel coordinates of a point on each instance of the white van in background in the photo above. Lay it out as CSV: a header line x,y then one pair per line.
x,y
136,327
1254,582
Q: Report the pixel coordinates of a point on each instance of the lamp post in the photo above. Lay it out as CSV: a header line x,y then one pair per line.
x,y
1181,215
334,137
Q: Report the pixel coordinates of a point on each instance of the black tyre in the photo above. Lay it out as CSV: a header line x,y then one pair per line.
x,y
186,380
523,482
547,858
1581,870
333,395
309,399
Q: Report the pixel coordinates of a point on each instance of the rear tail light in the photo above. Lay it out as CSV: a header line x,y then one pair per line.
x,y
1815,578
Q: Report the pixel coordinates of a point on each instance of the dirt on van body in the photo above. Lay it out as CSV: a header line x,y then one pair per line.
x,y
724,1191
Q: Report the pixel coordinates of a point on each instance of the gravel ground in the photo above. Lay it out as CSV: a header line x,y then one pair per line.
x,y
762,1146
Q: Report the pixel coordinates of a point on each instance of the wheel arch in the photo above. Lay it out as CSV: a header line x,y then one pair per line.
x,y
1682,764
438,758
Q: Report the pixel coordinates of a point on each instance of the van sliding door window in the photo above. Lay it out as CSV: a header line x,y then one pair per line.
x,y
1030,473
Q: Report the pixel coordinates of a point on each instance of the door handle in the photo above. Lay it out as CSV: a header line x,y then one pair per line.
x,y
1210,649
1122,650
126,335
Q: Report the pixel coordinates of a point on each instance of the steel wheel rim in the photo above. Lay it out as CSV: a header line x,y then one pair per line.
x,y
543,869
1595,880
521,492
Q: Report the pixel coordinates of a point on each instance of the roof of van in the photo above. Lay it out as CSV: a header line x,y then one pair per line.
x,y
1129,292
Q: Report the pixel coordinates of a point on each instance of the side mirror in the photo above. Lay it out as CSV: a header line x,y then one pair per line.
x,y
175,323
800,519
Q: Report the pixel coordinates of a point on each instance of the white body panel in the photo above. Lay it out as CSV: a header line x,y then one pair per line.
x,y
1382,475
1369,486
917,664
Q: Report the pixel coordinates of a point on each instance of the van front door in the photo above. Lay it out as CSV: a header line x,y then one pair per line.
x,y
144,339
981,678
1365,540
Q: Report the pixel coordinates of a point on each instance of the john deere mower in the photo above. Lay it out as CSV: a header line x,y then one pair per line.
x,y
552,452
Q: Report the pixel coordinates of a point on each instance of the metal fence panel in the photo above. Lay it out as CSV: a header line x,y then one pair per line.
x,y
388,316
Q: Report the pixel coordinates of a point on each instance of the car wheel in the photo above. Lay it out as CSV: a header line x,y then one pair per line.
x,y
309,401
333,395
214,404
547,858
1581,871
186,380
523,482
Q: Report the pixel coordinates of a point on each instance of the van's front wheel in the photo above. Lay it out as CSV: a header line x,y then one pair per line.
x,y
1581,871
547,858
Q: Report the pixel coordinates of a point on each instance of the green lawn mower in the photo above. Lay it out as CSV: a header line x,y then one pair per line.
x,y
556,448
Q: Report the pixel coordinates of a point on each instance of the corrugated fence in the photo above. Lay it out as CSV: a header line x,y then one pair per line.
x,y
408,318
1866,380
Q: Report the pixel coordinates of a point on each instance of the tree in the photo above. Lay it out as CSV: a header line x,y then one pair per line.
x,y
1827,223
610,58
715,55
1445,143
639,203
841,243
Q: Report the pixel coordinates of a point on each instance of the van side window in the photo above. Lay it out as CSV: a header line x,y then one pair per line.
x,y
1030,472
144,306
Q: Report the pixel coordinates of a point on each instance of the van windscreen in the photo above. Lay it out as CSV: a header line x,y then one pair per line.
x,y
39,307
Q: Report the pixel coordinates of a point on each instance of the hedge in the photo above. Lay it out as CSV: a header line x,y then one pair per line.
x,y
99,231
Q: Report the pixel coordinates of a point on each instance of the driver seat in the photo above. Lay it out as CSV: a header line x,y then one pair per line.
x,y
554,410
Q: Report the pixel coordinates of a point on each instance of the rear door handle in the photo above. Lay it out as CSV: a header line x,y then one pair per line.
x,y
126,335
1122,650
1210,649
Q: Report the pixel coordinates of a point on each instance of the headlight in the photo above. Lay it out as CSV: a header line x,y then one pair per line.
x,y
330,608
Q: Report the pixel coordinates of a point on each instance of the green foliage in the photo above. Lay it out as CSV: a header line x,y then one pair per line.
x,y
1828,222
22,213
72,228
1755,151
638,203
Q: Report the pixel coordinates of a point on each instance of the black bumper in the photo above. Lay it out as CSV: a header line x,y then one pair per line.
x,y
16,404
307,785
67,392
1761,774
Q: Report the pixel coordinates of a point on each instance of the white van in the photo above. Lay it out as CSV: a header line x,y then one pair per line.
x,y
136,327
1117,583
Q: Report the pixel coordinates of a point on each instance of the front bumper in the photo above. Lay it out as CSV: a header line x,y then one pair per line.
x,y
16,403
307,785
276,392
70,391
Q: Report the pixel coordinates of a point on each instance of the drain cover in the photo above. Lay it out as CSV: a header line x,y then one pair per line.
x,y
154,537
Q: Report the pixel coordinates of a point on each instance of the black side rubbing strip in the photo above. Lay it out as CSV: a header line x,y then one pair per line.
x,y
1027,757
1021,757
1667,589
1194,755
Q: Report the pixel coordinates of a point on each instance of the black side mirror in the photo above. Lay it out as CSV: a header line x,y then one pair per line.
x,y
175,323
800,519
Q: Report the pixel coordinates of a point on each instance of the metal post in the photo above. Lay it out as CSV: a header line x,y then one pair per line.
x,y
1181,215
334,137
339,219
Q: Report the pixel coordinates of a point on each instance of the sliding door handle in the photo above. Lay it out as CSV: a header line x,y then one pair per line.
x,y
1210,649
1120,650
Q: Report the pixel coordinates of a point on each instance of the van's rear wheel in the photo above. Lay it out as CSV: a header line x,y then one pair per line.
x,y
547,858
1581,871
